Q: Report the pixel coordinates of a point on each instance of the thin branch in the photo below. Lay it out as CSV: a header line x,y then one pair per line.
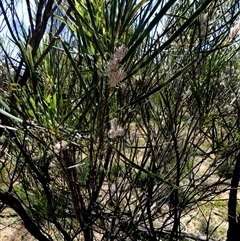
x,y
15,204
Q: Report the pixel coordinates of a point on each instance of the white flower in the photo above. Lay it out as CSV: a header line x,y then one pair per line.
x,y
120,131
234,30
114,70
114,124
203,24
111,134
60,146
115,130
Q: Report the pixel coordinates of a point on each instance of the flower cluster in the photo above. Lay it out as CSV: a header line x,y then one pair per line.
x,y
203,24
234,30
5,74
60,146
115,71
115,130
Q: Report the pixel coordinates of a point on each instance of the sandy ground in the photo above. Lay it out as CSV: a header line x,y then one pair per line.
x,y
11,227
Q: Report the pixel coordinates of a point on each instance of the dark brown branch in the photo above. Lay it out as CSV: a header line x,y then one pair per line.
x,y
46,51
47,192
40,30
6,19
30,15
12,202
37,37
233,221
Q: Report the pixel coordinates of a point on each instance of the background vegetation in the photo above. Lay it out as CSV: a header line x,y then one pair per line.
x,y
120,119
